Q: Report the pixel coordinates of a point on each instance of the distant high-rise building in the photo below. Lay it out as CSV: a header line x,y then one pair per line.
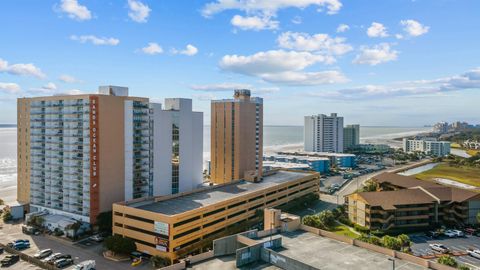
x,y
459,126
79,154
323,133
440,128
236,137
434,148
351,136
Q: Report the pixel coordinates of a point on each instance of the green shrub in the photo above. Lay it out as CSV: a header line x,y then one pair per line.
x,y
7,216
119,244
391,242
159,261
361,229
447,260
463,267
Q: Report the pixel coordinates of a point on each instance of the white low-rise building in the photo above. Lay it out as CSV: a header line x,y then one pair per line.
x,y
434,148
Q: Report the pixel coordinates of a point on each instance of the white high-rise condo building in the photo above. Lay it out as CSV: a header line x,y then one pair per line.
x,y
78,154
434,148
323,133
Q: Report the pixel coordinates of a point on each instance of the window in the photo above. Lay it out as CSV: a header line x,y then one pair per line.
x,y
186,233
214,212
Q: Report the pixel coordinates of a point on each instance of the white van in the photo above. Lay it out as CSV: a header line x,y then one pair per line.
x,y
85,265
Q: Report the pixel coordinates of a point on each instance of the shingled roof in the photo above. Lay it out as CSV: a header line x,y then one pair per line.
x,y
402,181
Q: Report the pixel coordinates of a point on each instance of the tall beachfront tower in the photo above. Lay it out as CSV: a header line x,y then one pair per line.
x,y
351,136
323,133
79,154
236,138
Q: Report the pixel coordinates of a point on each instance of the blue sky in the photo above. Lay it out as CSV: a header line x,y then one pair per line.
x,y
395,63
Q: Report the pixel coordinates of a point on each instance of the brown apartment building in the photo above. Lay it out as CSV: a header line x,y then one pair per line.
x,y
404,202
236,138
71,151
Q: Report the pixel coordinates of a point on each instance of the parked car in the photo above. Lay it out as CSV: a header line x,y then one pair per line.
x,y
458,233
30,230
97,238
474,253
450,233
470,231
440,248
62,263
10,260
21,245
52,258
432,234
85,265
43,253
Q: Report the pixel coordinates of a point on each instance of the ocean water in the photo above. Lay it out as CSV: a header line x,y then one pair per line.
x,y
275,138
279,137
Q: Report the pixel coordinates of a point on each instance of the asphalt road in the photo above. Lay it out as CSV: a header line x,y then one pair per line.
x,y
461,244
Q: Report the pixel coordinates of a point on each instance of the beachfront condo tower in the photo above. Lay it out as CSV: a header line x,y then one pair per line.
x,y
351,136
78,154
323,133
236,138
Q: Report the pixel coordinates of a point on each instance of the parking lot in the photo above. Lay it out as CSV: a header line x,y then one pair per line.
x,y
460,244
88,250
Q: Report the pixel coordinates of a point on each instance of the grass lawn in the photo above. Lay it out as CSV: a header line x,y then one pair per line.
x,y
472,152
455,145
344,231
466,175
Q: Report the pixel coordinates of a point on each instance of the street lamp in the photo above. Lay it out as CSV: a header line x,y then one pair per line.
x,y
393,262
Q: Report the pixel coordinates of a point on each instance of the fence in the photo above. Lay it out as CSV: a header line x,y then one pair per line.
x,y
29,259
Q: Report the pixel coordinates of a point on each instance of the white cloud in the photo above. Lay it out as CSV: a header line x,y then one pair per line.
x,y
228,87
49,86
466,81
297,20
190,50
254,22
267,6
75,10
377,30
139,11
152,48
283,67
95,40
204,96
21,69
306,78
220,87
72,92
321,43
9,88
342,28
398,36
273,61
68,79
375,55
414,28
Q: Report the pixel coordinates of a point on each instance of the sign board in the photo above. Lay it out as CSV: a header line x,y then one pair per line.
x,y
161,248
161,228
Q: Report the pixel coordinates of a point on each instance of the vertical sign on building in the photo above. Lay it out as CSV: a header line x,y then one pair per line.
x,y
94,159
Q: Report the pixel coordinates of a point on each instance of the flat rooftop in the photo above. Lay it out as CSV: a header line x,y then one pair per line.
x,y
328,254
215,194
